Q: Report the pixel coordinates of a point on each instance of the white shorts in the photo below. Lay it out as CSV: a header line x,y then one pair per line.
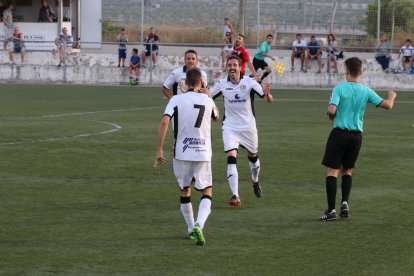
x,y
232,140
185,171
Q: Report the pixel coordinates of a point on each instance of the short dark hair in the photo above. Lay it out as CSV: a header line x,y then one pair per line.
x,y
298,34
354,66
313,36
234,57
191,51
193,77
135,50
122,29
242,35
269,35
408,40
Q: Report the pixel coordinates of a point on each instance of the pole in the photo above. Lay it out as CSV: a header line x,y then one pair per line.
x,y
378,19
142,21
393,22
258,23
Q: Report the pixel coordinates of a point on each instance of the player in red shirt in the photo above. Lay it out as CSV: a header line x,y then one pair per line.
x,y
243,54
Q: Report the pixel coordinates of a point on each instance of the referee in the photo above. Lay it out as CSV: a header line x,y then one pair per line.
x,y
346,108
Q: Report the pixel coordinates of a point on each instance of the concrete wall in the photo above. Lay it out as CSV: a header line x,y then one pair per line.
x,y
101,69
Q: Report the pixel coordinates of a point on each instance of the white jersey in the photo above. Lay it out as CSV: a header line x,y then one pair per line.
x,y
407,51
191,113
238,102
178,76
299,46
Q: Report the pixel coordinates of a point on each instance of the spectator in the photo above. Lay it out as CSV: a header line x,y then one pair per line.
x,y
298,51
122,38
227,48
8,23
383,53
227,27
134,66
64,46
46,13
332,52
259,59
408,55
314,52
151,43
18,45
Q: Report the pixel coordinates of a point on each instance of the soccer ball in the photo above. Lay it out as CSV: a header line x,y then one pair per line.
x,y
133,82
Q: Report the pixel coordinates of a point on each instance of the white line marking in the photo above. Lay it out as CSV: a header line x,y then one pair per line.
x,y
114,129
78,113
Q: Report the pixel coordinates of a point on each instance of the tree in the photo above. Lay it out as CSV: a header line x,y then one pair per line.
x,y
404,12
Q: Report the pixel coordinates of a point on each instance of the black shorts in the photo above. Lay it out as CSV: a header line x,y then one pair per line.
x,y
298,54
122,53
406,59
342,149
258,63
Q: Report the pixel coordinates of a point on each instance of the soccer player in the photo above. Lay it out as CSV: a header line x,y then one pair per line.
x,y
346,108
243,54
258,60
191,113
239,123
134,66
176,80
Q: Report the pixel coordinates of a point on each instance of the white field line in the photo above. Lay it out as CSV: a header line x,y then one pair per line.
x,y
115,128
78,113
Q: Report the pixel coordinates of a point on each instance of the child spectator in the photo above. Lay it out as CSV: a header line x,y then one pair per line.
x,y
226,49
151,43
408,55
227,27
64,46
18,45
122,38
46,13
332,52
134,65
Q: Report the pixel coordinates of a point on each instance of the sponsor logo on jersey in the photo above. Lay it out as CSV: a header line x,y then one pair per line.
x,y
194,143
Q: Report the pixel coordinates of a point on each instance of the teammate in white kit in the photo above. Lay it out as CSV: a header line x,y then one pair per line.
x,y
191,114
239,123
176,80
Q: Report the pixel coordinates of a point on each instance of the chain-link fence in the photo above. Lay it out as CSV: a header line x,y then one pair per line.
x,y
356,23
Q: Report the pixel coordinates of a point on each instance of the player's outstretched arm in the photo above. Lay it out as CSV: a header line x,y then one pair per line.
x,y
389,103
162,131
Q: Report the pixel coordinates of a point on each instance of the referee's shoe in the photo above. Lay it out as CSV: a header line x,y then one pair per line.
x,y
329,215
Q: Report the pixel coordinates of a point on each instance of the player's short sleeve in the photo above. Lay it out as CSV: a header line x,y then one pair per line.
x,y
263,48
335,96
374,98
245,56
216,91
204,78
169,82
214,109
169,110
257,88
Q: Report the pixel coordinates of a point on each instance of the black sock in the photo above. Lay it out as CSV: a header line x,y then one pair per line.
x,y
331,192
346,186
265,74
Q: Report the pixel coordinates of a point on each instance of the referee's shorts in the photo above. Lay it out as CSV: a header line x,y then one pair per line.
x,y
342,149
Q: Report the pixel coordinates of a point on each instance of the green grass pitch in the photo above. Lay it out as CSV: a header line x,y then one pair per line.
x,y
79,194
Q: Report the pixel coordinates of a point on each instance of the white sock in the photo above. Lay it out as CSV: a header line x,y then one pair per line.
x,y
233,178
255,170
187,211
204,211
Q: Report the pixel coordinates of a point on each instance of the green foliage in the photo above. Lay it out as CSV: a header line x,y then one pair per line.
x,y
110,30
404,12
